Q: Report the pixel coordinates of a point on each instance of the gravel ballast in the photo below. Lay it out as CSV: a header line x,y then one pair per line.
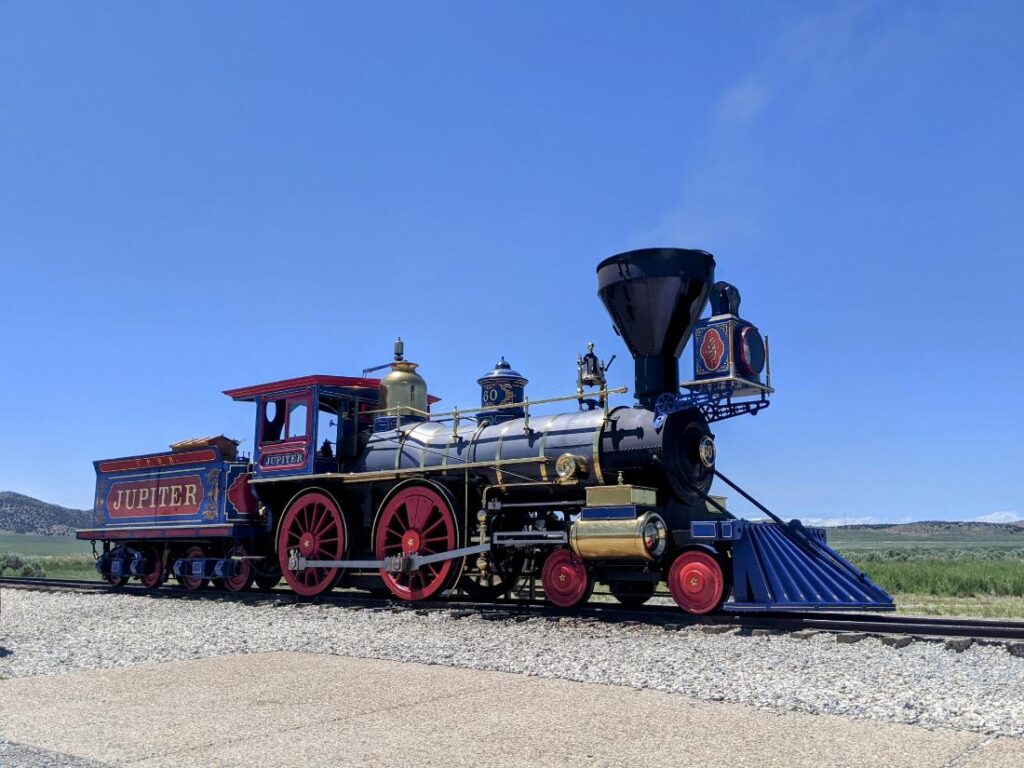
x,y
979,689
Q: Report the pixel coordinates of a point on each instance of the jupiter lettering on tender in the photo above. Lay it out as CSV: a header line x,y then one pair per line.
x,y
156,497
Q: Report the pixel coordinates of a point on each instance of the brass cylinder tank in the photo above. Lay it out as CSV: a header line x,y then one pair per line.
x,y
633,538
403,388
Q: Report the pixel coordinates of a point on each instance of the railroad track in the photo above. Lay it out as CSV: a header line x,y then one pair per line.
x,y
669,617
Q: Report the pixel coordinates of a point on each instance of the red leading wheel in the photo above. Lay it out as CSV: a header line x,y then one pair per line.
x,y
313,525
246,573
154,575
416,520
696,582
193,582
565,579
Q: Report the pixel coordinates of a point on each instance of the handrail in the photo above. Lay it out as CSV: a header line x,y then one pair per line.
x,y
462,413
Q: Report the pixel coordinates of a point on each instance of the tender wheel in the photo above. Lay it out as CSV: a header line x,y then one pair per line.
x,y
632,594
314,526
154,575
566,580
696,582
193,582
115,581
246,573
416,520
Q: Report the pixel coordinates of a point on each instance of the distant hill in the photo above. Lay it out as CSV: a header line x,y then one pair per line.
x,y
23,514
934,538
940,528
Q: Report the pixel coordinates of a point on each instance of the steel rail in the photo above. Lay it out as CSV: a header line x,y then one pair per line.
x,y
507,608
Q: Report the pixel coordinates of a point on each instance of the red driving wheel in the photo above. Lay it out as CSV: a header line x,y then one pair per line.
x,y
193,582
696,582
313,525
246,573
416,520
565,579
154,575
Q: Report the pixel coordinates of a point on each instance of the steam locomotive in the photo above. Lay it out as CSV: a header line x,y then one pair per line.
x,y
359,481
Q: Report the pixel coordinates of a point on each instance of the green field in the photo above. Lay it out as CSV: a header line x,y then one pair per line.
x,y
924,541
968,570
31,544
58,557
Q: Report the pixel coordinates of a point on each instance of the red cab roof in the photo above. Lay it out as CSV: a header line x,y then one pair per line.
x,y
348,382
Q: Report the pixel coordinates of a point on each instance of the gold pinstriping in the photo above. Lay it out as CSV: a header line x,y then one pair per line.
x,y
597,450
497,454
543,447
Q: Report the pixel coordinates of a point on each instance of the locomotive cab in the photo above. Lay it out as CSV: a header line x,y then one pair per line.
x,y
310,424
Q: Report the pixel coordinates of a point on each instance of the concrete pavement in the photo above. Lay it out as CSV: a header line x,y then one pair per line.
x,y
293,709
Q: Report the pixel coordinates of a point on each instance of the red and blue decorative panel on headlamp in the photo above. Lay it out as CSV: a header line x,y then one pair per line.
x,y
728,352
711,353
727,347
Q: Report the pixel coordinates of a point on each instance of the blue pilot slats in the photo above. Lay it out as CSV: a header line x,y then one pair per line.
x,y
777,567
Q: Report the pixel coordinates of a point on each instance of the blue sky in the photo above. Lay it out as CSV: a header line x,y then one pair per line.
x,y
196,196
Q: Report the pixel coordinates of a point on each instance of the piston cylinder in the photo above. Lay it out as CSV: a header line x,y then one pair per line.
x,y
633,538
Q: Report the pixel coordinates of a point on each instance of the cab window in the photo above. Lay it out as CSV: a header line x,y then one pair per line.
x,y
298,413
284,418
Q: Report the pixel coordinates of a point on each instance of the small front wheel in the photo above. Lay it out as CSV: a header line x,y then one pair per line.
x,y
696,582
566,580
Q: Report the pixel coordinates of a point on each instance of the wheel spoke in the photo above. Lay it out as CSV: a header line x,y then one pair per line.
x,y
440,522
422,507
327,525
